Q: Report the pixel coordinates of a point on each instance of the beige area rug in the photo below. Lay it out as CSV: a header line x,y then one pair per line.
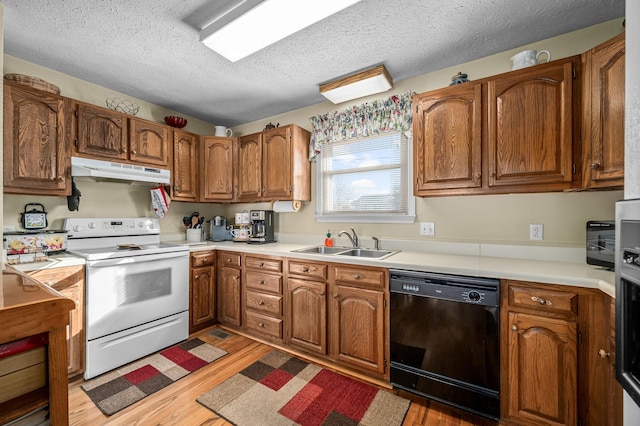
x,y
120,388
282,390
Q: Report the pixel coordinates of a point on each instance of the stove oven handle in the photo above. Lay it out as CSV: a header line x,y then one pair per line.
x,y
136,259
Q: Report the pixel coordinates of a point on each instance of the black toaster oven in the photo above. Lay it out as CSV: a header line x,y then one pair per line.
x,y
601,243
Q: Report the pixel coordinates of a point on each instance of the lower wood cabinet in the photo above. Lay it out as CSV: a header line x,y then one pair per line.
x,y
263,306
69,281
202,290
229,288
307,306
555,368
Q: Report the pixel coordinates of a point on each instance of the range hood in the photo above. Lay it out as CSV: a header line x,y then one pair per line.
x,y
124,172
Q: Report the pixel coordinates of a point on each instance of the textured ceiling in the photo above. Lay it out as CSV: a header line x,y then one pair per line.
x,y
150,49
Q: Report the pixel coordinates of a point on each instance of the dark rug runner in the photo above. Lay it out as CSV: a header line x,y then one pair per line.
x,y
124,386
282,390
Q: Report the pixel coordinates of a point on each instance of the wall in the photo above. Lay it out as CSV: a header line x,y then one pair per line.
x,y
494,218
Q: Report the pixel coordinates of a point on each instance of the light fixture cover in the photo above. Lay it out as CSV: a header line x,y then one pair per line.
x,y
365,83
242,32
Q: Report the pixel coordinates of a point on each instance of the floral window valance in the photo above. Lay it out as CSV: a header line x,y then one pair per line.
x,y
364,120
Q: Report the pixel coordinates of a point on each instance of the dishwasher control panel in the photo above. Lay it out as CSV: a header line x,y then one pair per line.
x,y
480,291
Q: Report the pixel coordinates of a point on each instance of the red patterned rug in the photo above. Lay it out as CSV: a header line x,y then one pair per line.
x,y
282,390
120,388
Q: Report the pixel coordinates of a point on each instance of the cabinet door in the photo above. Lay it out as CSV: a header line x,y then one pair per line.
x,y
185,151
250,167
229,296
69,281
148,142
307,315
276,164
36,142
102,133
604,118
542,369
216,180
358,328
530,127
203,299
448,138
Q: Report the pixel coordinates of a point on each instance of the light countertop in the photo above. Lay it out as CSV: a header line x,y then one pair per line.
x,y
573,273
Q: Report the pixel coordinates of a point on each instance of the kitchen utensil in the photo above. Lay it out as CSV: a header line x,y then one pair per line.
x,y
34,218
187,221
527,58
174,121
194,221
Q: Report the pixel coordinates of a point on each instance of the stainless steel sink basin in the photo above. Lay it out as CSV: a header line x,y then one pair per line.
x,y
345,251
367,253
321,250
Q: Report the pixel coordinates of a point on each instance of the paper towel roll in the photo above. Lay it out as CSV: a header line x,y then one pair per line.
x,y
286,206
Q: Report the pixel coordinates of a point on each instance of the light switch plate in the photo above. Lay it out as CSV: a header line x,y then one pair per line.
x,y
536,231
427,228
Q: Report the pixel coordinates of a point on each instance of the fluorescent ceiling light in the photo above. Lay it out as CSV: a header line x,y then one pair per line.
x,y
255,24
365,83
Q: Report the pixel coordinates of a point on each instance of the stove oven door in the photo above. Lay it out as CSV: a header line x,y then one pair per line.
x,y
131,291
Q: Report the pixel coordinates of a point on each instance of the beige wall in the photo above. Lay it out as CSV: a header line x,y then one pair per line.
x,y
492,218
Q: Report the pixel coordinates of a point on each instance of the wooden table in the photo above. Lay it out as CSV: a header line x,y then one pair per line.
x,y
28,308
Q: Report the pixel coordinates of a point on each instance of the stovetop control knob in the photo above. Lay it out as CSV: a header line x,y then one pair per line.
x,y
77,228
92,225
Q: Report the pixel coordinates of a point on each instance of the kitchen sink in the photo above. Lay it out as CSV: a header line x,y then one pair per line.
x,y
345,251
367,253
321,250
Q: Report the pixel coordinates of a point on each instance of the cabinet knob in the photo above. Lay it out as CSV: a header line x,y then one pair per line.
x,y
261,264
261,302
61,178
305,269
196,277
261,282
356,276
514,327
477,176
595,165
335,295
261,324
541,300
603,354
134,152
492,174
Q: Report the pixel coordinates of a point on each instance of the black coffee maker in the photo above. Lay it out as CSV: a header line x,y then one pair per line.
x,y
262,227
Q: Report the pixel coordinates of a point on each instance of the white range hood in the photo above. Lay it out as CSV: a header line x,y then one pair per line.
x,y
125,172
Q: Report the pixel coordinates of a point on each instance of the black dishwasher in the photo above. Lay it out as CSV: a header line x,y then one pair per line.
x,y
445,339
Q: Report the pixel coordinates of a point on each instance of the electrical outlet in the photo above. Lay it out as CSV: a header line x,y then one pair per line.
x,y
427,228
536,231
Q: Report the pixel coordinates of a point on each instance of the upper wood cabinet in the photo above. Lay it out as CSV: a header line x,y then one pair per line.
x,y
448,138
217,156
603,124
37,140
185,166
274,165
508,133
113,136
530,127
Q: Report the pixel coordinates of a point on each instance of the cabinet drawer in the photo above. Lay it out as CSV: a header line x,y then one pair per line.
x,y
230,259
546,300
264,324
22,373
267,303
308,269
369,278
204,258
264,264
264,282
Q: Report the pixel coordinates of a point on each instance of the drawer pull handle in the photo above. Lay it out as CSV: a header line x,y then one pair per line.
x,y
305,269
356,276
261,324
261,282
514,327
261,302
541,301
603,354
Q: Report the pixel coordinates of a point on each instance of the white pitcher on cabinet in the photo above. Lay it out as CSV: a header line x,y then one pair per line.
x,y
223,131
527,58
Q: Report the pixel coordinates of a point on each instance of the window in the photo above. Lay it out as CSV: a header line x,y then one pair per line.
x,y
366,180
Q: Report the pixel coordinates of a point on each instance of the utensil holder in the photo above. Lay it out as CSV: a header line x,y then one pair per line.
x,y
194,235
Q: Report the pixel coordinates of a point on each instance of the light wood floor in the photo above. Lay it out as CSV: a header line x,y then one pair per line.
x,y
176,404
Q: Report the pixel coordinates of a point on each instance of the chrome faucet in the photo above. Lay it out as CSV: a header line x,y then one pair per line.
x,y
354,239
